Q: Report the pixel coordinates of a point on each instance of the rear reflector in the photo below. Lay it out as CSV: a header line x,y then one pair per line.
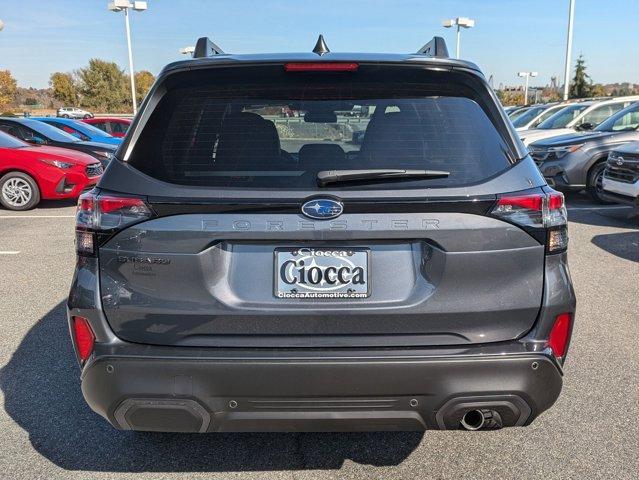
x,y
321,67
84,338
560,334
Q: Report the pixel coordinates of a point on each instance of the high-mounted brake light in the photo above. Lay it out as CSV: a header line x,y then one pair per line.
x,y
321,67
537,211
84,337
560,335
105,213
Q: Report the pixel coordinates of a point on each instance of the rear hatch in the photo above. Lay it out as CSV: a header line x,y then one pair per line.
x,y
241,246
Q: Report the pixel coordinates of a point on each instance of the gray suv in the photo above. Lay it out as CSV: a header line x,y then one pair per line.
x,y
577,161
243,271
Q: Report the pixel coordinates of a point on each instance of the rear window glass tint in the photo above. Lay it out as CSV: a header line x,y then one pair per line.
x,y
280,134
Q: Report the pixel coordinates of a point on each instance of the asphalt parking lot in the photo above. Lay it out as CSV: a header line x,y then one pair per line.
x,y
49,432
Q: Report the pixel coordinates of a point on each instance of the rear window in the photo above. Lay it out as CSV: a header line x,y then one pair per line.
x,y
280,129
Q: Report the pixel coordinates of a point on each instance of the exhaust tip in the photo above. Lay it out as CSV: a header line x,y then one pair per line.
x,y
473,420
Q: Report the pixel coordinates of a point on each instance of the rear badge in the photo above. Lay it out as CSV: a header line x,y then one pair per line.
x,y
322,208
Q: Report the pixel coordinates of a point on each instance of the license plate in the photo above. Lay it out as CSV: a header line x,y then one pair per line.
x,y
308,272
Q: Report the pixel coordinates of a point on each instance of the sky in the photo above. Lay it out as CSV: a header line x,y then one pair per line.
x,y
44,36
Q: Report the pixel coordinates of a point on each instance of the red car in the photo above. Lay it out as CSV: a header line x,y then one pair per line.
x,y
112,125
29,173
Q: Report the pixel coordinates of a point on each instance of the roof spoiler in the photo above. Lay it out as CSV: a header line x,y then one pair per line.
x,y
435,48
206,48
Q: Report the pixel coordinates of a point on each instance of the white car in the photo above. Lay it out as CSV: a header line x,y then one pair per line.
x,y
621,177
73,112
577,116
535,115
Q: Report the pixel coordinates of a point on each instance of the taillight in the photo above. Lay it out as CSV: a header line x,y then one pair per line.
x,y
321,67
543,211
560,335
84,337
98,213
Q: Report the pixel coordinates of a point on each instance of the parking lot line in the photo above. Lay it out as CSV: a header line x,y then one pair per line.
x,y
9,252
609,207
37,216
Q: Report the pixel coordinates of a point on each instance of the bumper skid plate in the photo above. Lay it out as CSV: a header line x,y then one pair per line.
x,y
317,394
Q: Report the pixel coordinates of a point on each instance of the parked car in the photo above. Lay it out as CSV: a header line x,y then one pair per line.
x,y
40,133
621,177
580,116
576,162
114,126
511,108
80,130
31,173
535,115
235,276
73,112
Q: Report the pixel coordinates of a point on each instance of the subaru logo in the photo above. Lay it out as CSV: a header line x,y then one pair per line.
x,y
620,161
322,209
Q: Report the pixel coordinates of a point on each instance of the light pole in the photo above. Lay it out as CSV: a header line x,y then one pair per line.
x,y
459,22
571,17
527,75
125,6
187,50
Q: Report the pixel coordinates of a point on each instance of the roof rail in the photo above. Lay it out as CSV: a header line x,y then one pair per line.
x,y
204,47
435,48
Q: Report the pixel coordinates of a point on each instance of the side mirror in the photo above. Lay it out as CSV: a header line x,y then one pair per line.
x,y
586,126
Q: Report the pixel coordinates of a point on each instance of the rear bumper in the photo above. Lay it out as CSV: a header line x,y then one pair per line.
x,y
621,192
315,393
619,198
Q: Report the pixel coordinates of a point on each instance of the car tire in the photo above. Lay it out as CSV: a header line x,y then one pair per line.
x,y
64,115
18,191
87,116
594,187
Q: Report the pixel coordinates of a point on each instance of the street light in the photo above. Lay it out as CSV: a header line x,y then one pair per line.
x,y
125,6
527,75
571,17
187,50
459,22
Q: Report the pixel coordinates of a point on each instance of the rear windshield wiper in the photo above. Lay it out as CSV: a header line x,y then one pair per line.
x,y
326,177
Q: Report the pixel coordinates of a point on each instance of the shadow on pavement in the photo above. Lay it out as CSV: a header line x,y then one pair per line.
x,y
619,217
624,245
42,394
70,202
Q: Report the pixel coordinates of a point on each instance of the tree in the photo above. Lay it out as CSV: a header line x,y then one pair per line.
x,y
103,87
8,87
64,88
143,82
581,86
598,90
510,97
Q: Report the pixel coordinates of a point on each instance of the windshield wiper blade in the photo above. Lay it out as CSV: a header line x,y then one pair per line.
x,y
326,177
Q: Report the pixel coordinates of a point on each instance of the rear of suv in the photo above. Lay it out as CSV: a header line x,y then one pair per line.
x,y
621,177
243,271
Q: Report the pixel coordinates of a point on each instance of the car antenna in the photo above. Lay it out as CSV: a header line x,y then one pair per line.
x,y
320,47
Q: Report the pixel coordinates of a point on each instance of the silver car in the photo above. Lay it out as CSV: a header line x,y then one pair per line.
x,y
577,161
73,112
